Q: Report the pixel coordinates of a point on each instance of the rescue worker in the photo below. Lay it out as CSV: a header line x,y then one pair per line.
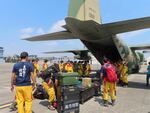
x,y
80,68
124,75
45,65
84,68
148,74
75,66
36,67
49,88
55,75
109,87
22,74
69,67
61,66
88,69
120,67
50,85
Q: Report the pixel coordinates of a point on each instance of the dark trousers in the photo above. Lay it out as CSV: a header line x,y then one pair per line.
x,y
147,79
100,87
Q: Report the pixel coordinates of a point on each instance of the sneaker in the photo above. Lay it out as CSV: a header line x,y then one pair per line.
x,y
13,106
51,107
113,102
55,104
105,103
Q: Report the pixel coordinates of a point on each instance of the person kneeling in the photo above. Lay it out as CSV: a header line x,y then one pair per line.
x,y
49,88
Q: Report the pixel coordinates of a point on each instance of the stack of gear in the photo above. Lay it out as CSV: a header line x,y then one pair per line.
x,y
87,90
86,82
68,99
66,79
68,93
86,93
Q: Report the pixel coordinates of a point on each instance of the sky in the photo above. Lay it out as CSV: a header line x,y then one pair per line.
x,y
25,18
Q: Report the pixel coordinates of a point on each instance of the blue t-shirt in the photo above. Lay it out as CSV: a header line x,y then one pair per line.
x,y
23,73
102,70
148,70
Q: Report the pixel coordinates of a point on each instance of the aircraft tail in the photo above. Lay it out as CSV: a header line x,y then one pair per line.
x,y
85,10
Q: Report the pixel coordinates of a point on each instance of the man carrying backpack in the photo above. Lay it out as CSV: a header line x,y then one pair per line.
x,y
109,76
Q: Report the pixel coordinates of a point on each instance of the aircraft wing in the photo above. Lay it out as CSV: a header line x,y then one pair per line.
x,y
95,31
62,35
140,47
76,52
98,31
127,25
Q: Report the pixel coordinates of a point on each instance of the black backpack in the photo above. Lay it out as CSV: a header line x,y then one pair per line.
x,y
40,93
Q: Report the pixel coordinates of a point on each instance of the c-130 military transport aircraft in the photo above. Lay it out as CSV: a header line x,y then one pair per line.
x,y
84,23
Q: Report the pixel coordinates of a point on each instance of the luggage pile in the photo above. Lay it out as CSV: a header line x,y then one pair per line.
x,y
68,93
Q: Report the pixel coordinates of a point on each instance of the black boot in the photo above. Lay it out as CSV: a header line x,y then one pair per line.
x,y
105,103
113,102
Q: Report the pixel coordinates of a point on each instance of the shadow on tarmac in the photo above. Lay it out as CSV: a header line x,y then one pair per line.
x,y
99,100
138,85
142,73
17,112
44,103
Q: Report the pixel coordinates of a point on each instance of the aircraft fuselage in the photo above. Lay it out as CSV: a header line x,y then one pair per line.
x,y
110,46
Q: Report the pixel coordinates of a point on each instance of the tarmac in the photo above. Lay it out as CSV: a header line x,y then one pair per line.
x,y
133,99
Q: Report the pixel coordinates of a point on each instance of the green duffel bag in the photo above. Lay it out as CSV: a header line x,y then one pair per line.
x,y
68,79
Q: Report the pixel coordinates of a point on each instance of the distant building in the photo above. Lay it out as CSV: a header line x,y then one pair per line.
x,y
1,55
